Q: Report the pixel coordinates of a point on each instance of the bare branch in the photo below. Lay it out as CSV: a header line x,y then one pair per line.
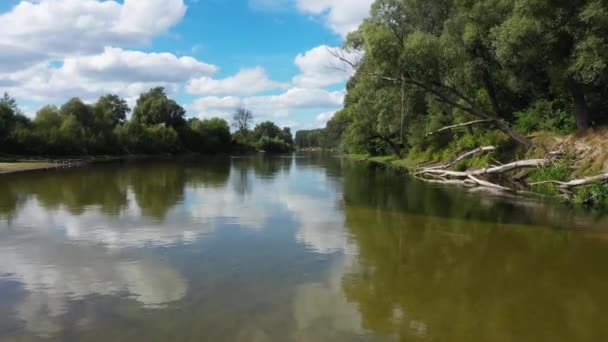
x,y
487,184
466,124
521,164
463,157
603,178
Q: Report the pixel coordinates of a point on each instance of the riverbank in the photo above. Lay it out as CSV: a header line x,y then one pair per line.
x,y
15,167
18,164
573,167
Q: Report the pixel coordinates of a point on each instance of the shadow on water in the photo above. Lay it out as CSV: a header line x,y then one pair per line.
x,y
374,186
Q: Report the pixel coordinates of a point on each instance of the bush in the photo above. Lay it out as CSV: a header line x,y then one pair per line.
x,y
595,196
273,145
545,115
558,171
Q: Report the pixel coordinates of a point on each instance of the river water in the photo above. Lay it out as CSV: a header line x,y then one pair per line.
x,y
309,247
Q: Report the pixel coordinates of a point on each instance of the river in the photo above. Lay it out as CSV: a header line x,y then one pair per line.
x,y
309,247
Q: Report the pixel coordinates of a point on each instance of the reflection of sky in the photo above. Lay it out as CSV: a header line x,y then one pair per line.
x,y
59,257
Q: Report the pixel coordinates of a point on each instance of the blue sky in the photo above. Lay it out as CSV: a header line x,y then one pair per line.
x,y
271,56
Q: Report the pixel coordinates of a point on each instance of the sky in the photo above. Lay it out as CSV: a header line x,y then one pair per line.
x,y
213,56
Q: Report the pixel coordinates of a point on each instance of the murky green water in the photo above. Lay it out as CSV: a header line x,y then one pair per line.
x,y
304,248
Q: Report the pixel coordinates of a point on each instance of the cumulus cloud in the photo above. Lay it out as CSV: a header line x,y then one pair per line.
x,y
125,72
213,106
279,105
51,29
324,117
246,82
272,105
319,67
342,16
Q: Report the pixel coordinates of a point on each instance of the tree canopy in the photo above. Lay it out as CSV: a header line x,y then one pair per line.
x,y
508,66
158,126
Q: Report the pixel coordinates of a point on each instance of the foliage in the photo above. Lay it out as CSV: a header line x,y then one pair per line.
x,y
594,196
309,138
558,171
208,136
158,126
544,116
527,65
273,145
155,108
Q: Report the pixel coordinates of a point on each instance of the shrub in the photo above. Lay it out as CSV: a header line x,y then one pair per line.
x,y
273,145
545,115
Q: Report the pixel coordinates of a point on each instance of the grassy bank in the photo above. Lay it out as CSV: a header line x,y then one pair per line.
x,y
583,155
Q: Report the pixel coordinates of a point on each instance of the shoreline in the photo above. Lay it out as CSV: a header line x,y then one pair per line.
x,y
20,167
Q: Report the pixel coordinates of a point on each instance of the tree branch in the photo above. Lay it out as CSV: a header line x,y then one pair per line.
x,y
470,123
463,157
603,178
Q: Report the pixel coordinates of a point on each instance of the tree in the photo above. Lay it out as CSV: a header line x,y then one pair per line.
x,y
408,44
81,112
9,101
6,119
208,136
286,135
564,41
155,108
114,107
267,129
241,121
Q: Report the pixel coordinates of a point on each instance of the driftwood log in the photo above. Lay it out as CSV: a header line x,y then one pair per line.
x,y
481,177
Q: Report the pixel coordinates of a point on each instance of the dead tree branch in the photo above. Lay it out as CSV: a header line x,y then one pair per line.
x,y
466,124
463,157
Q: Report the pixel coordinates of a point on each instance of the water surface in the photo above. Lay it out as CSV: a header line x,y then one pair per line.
x,y
308,247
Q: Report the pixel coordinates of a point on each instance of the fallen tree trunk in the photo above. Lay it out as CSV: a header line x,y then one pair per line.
x,y
567,186
530,163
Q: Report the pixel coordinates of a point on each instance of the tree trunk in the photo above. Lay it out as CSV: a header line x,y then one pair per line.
x,y
581,109
512,134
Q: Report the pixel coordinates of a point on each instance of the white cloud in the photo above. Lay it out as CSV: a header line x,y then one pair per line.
x,y
116,64
342,16
246,82
213,106
125,72
320,68
325,116
52,29
273,105
295,98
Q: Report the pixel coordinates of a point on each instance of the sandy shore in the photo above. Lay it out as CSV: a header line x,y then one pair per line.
x,y
25,166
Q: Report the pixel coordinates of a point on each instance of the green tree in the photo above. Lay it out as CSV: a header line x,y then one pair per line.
x,y
79,110
114,108
268,129
563,41
155,108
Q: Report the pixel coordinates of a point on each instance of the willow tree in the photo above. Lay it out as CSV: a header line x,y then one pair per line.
x,y
564,41
410,43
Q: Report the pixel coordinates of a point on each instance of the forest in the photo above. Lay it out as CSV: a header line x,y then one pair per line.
x,y
497,80
513,67
157,125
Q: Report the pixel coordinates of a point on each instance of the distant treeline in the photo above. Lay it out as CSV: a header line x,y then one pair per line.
x,y
158,125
